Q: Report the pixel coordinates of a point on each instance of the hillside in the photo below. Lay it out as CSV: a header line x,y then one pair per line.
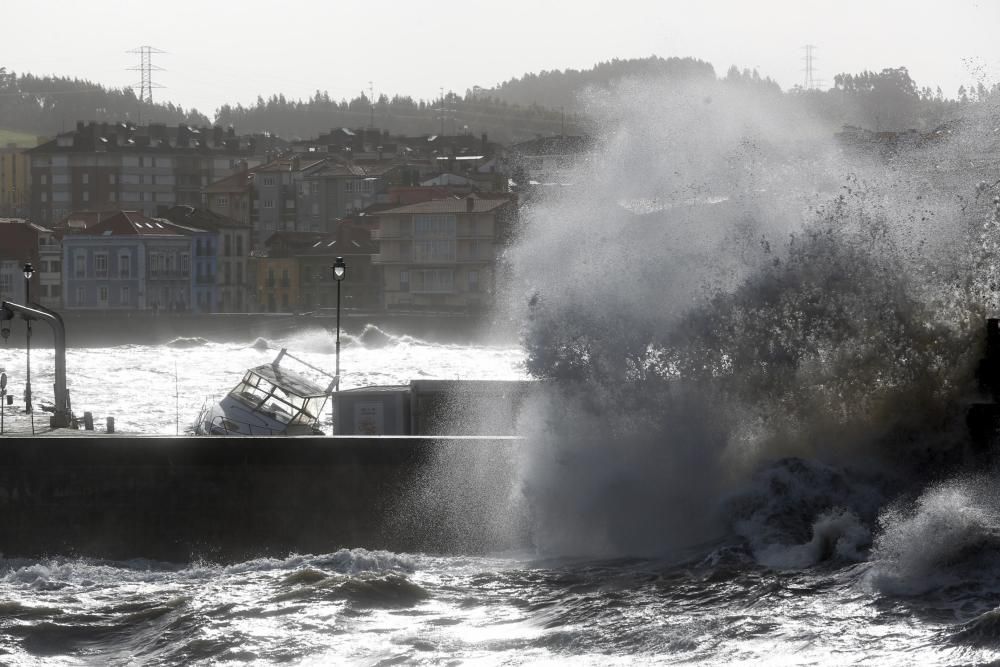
x,y
47,105
521,108
561,88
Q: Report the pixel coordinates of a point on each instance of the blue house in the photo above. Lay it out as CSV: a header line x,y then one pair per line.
x,y
128,261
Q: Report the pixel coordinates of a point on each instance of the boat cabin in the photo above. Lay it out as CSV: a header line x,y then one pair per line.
x,y
269,400
281,394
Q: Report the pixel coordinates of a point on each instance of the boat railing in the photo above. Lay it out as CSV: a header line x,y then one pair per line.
x,y
285,353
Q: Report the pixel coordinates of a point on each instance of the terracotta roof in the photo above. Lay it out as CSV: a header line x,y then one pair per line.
x,y
78,220
449,206
132,223
238,182
354,241
288,164
356,169
201,219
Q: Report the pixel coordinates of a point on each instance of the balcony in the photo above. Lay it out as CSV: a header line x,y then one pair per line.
x,y
382,234
392,258
473,234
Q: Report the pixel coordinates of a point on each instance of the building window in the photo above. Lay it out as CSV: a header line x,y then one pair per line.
x,y
80,294
222,201
6,283
111,179
433,251
473,281
434,226
434,280
404,281
102,295
125,295
239,245
55,266
85,179
86,196
124,266
269,180
185,262
101,265
268,203
112,196
45,179
227,244
79,265
56,291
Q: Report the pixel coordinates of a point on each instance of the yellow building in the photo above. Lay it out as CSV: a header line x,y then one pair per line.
x,y
277,268
15,170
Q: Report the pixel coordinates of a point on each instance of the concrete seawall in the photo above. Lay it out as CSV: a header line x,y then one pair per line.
x,y
220,498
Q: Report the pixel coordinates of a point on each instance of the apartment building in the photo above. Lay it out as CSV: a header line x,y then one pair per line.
x,y
442,254
121,165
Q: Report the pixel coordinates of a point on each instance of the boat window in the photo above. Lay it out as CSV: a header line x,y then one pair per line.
x,y
312,410
253,389
277,402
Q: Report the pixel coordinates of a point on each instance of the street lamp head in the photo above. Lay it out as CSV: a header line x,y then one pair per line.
x,y
339,269
28,270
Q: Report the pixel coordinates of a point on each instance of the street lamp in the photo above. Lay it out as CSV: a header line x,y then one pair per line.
x,y
339,271
28,271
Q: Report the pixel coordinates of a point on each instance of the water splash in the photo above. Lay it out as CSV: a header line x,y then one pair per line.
x,y
732,289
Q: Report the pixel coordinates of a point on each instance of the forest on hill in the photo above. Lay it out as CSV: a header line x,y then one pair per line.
x,y
546,103
47,105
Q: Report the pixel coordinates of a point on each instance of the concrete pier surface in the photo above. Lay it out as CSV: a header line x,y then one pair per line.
x,y
233,498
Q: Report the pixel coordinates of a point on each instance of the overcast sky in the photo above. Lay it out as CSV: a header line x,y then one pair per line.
x,y
220,51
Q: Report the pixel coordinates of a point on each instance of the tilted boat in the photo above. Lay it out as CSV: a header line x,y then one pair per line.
x,y
269,400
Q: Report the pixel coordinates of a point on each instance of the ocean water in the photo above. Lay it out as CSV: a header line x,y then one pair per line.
x,y
751,449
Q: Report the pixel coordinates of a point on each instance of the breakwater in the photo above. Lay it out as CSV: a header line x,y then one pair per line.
x,y
186,498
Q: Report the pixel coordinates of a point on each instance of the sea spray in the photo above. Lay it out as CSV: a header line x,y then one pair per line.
x,y
732,289
947,536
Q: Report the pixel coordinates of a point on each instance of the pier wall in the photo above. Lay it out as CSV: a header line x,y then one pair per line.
x,y
185,498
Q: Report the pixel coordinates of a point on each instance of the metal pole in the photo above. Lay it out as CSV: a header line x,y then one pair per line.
x,y
27,389
338,335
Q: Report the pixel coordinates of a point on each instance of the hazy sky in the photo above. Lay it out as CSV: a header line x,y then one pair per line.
x,y
231,51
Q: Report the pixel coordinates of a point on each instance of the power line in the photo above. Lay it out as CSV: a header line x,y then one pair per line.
x,y
810,69
146,69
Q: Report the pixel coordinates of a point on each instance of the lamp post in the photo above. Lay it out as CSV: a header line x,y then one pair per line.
x,y
339,270
28,271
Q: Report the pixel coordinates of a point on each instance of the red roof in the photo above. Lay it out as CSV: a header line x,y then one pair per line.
x,y
132,223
